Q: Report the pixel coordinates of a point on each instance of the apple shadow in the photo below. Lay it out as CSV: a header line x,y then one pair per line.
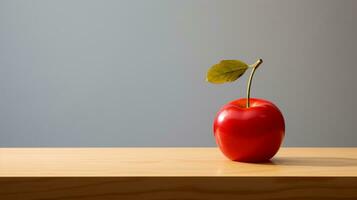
x,y
313,162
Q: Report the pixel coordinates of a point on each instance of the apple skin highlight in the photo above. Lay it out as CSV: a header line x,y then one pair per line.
x,y
249,134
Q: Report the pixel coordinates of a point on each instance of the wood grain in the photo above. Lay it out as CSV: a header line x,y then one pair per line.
x,y
192,162
174,173
249,188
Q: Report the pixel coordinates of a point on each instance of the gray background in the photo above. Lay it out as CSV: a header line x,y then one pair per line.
x,y
131,73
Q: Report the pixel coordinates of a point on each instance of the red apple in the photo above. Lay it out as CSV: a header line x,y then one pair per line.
x,y
252,134
247,129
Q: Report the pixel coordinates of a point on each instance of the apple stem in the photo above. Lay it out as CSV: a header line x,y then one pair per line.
x,y
254,66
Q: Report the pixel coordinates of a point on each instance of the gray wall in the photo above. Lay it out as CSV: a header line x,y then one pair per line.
x,y
131,73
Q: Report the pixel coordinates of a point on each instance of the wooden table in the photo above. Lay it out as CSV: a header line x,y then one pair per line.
x,y
174,173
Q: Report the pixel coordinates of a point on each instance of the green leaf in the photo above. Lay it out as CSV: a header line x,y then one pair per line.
x,y
226,71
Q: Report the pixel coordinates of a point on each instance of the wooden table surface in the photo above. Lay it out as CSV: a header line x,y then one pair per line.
x,y
111,162
185,173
